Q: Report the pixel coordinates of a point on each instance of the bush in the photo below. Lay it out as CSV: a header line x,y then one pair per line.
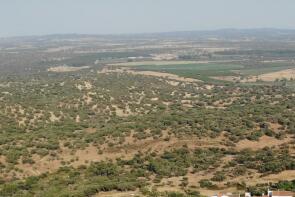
x,y
205,183
218,176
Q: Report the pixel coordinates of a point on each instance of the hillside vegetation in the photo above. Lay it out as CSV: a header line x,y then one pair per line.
x,y
74,122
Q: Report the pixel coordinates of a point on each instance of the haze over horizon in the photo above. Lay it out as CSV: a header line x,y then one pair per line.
x,y
33,17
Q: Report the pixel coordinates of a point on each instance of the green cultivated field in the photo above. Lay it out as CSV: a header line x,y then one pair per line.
x,y
207,70
198,71
265,68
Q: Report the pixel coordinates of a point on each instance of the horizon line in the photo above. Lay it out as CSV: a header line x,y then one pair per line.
x,y
148,33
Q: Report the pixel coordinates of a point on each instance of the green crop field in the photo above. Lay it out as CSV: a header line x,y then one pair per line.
x,y
198,71
205,71
265,68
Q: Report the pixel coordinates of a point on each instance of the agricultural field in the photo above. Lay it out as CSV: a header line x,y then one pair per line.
x,y
212,71
101,116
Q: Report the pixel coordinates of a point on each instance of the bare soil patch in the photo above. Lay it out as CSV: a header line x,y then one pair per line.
x,y
153,74
53,117
283,74
165,75
261,143
268,77
58,49
226,78
118,194
164,56
284,175
65,68
155,63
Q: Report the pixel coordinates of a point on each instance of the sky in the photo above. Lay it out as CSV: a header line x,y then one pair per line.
x,y
40,17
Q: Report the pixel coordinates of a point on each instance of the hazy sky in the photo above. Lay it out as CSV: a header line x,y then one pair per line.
x,y
35,17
